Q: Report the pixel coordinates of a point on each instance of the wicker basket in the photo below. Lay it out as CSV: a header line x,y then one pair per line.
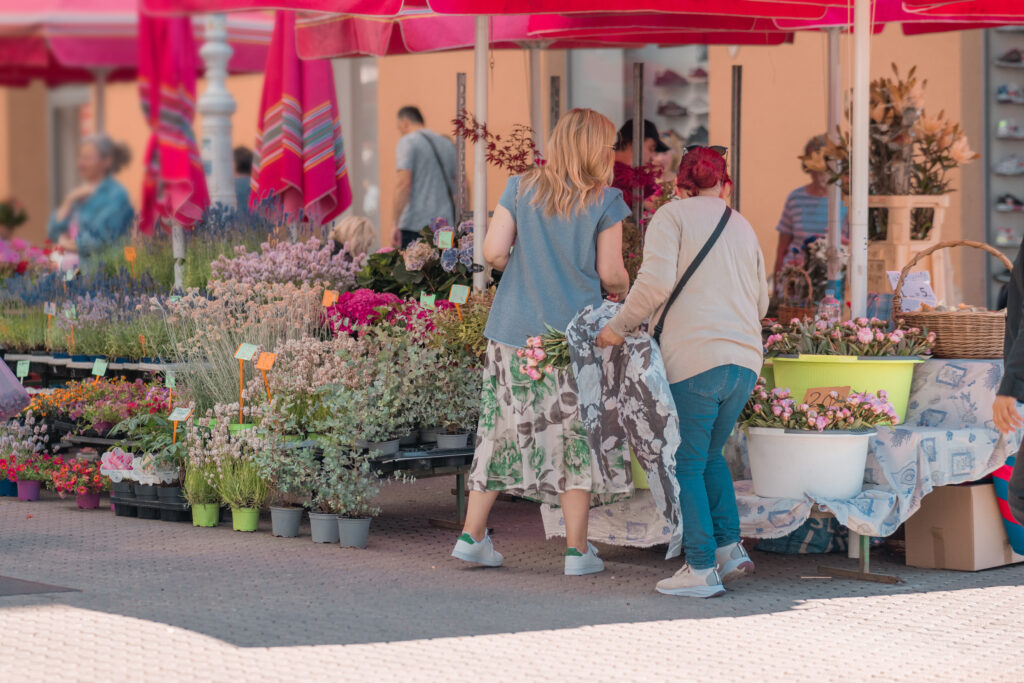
x,y
957,335
787,312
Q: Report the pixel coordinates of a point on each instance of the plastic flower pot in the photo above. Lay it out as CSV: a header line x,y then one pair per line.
x,y
144,491
324,527
245,519
429,435
353,532
791,463
284,522
205,514
447,442
28,490
863,374
87,501
8,488
411,439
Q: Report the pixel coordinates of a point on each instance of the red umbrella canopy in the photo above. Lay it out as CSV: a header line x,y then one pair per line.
x,y
63,41
299,169
977,10
371,7
174,188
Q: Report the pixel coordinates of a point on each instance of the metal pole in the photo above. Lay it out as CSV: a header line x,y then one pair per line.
x,y
178,252
460,150
859,162
101,99
480,155
556,101
835,105
734,148
638,141
536,106
216,106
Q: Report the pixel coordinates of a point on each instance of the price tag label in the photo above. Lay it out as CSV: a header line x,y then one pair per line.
x,y
459,294
445,239
428,301
129,254
823,396
71,312
22,369
50,308
169,380
266,361
246,351
173,298
99,367
180,414
330,298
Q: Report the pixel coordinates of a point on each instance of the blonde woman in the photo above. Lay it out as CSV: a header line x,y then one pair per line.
x,y
355,234
564,219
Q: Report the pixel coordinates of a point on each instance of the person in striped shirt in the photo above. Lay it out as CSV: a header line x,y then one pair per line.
x,y
805,213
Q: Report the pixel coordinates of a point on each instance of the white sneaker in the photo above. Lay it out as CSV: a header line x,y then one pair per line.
x,y
1011,165
693,583
578,564
477,552
733,561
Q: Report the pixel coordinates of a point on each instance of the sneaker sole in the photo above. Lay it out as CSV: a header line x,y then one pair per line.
x,y
738,572
466,557
583,572
694,591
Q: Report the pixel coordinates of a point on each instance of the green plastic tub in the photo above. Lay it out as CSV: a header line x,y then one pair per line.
x,y
894,374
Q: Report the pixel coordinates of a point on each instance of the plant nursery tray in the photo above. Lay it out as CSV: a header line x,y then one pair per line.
x,y
168,511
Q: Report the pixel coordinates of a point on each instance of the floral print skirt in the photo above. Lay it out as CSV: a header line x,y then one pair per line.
x,y
531,441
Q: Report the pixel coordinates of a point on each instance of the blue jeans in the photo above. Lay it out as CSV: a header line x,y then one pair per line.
x,y
708,405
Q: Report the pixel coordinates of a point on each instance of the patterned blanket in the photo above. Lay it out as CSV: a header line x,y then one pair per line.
x,y
625,399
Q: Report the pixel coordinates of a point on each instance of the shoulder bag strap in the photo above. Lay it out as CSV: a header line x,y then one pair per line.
x,y
444,174
690,271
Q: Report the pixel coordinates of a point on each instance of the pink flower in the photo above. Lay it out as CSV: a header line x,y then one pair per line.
x,y
534,375
776,410
821,423
549,369
864,335
879,336
539,354
385,250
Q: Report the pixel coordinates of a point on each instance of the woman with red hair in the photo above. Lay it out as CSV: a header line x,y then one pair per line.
x,y
711,344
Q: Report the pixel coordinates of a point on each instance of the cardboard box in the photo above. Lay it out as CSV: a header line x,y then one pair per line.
x,y
959,527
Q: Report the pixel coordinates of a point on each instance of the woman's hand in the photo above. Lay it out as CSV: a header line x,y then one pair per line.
x,y
1005,415
608,337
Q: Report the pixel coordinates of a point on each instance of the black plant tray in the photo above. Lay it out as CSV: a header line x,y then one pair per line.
x,y
167,510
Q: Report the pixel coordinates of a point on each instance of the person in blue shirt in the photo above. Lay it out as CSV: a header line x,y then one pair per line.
x,y
97,213
564,220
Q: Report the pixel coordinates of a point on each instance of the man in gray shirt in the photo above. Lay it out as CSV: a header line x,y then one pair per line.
x,y
426,177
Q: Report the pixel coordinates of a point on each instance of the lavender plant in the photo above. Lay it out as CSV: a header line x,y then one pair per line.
x,y
303,263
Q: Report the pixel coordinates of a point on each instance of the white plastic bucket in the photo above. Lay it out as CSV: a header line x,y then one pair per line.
x,y
791,463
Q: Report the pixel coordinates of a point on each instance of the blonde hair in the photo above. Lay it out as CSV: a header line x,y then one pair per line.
x,y
580,161
356,234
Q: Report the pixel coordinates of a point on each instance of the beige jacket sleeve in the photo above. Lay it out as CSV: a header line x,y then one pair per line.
x,y
657,275
762,280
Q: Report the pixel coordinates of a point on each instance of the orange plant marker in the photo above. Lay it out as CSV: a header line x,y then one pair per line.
x,y
142,340
174,434
458,309
266,384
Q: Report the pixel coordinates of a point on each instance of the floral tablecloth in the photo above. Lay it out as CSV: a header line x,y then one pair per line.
x,y
947,438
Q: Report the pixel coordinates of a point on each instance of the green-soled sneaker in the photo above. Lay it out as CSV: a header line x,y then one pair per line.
x,y
482,552
579,564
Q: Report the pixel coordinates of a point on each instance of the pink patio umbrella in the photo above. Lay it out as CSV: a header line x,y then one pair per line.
x,y
63,41
174,189
299,167
968,10
371,7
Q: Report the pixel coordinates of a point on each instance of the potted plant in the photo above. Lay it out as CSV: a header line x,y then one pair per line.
x,y
153,434
457,403
116,465
819,449
83,478
201,490
347,486
290,471
863,354
23,444
911,154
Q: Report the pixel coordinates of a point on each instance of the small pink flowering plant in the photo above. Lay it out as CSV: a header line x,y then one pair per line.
x,y
544,354
777,408
858,337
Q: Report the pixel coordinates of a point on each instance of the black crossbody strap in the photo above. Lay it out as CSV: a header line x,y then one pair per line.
x,y
691,270
444,174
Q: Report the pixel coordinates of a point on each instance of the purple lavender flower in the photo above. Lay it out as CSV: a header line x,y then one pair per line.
x,y
440,223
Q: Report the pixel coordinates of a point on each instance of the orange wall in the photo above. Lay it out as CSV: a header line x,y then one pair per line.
x,y
784,104
429,82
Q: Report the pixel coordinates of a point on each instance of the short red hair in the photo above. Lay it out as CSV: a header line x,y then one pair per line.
x,y
700,169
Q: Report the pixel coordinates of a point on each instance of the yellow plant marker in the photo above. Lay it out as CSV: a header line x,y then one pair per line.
x,y
330,298
263,364
129,256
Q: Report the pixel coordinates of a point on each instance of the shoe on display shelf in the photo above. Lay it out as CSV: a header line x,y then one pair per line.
x,y
672,110
1009,130
1009,93
1008,202
1011,57
1008,237
699,136
693,583
699,74
670,79
699,105
581,564
1011,165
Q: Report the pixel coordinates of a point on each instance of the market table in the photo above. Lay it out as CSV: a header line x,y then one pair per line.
x,y
948,438
425,464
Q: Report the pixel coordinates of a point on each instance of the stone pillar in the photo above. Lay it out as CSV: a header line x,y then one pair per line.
x,y
216,106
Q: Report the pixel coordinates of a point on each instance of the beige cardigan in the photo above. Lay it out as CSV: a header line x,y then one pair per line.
x,y
717,318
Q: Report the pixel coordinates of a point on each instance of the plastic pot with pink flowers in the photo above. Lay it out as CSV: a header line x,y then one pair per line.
x,y
866,355
799,448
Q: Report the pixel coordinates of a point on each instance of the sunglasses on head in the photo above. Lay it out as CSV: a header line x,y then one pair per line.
x,y
715,148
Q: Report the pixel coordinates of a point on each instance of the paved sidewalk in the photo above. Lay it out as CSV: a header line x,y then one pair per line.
x,y
164,601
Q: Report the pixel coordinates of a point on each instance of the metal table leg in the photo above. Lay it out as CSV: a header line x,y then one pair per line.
x,y
864,573
460,506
